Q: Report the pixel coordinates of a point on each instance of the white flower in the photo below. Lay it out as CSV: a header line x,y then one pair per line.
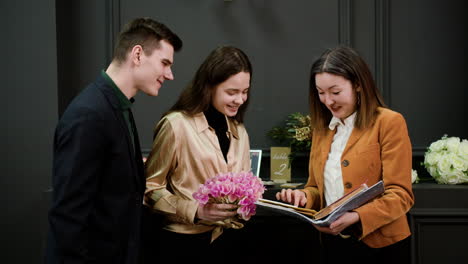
x,y
433,171
446,160
437,146
452,144
458,162
445,165
450,179
414,176
463,148
431,158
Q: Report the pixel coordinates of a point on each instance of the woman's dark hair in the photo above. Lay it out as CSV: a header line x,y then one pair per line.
x,y
221,63
345,62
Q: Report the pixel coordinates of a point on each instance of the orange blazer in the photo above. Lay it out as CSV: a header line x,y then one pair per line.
x,y
381,152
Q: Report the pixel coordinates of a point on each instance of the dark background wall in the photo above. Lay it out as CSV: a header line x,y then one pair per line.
x,y
416,50
29,90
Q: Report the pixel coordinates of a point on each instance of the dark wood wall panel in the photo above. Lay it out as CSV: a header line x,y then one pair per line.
x,y
29,89
416,50
428,67
281,38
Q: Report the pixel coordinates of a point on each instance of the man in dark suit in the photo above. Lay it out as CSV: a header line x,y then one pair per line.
x,y
98,176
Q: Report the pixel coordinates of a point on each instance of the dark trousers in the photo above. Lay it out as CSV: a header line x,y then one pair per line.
x,y
170,247
338,250
162,246
179,248
233,246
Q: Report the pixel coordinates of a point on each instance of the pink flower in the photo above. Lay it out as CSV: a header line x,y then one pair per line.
x,y
245,212
243,189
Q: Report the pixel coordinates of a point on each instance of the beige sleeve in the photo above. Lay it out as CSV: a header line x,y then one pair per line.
x,y
160,165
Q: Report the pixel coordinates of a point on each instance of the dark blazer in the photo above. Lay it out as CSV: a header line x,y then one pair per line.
x,y
98,183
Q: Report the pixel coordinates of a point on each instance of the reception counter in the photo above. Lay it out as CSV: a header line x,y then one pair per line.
x,y
438,220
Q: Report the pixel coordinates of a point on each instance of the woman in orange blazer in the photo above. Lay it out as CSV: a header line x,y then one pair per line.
x,y
356,140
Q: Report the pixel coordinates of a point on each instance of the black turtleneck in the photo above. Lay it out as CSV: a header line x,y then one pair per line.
x,y
218,122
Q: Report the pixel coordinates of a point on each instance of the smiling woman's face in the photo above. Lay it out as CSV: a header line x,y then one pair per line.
x,y
231,94
337,94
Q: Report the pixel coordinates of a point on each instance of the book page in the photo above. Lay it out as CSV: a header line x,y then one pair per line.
x,y
286,205
327,210
359,199
351,201
285,210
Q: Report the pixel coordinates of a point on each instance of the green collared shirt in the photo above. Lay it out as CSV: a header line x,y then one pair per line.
x,y
125,105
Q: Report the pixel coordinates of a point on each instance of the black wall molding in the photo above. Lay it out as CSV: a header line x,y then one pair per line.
x,y
113,28
382,49
345,22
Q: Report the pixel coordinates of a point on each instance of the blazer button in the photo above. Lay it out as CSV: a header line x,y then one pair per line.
x,y
348,185
345,163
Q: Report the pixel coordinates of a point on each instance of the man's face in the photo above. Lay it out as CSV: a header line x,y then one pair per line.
x,y
154,69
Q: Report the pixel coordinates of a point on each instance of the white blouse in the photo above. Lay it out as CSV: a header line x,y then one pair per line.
x,y
332,173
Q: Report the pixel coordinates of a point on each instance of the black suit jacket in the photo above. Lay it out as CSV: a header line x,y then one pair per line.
x,y
98,183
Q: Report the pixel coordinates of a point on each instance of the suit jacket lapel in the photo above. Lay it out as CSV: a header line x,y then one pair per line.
x,y
135,153
138,157
353,138
325,143
114,102
326,146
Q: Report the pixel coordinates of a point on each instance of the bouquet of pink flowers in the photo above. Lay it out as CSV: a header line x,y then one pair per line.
x,y
243,189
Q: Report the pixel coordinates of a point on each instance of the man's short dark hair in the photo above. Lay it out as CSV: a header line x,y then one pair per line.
x,y
145,32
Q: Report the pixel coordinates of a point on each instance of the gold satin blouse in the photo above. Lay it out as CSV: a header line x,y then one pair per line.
x,y
185,153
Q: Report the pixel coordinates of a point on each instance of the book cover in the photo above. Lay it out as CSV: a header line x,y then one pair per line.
x,y
329,214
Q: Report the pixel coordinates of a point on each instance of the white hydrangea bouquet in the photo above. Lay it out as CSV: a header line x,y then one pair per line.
x,y
446,160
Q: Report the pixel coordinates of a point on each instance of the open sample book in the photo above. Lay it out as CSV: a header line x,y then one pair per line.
x,y
327,215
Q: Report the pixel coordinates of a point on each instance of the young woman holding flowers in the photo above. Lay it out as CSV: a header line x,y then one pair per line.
x,y
356,140
201,136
